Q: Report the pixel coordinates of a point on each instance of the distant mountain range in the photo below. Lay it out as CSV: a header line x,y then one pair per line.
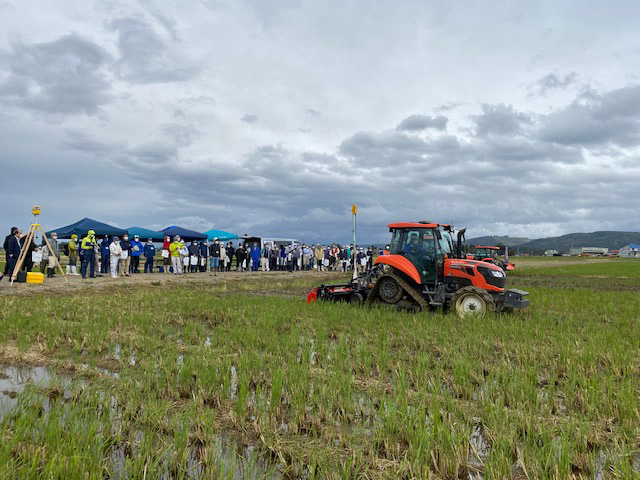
x,y
492,240
564,243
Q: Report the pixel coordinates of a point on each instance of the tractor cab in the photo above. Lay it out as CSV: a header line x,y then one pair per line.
x,y
425,246
490,254
486,253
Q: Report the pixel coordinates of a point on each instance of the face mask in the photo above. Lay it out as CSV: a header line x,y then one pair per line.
x,y
149,242
125,238
216,242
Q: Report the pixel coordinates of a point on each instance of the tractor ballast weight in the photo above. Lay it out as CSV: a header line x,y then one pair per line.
x,y
423,271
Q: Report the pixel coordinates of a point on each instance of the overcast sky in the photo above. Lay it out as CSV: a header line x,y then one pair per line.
x,y
272,117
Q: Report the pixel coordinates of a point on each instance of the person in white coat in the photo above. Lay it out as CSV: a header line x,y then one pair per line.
x,y
115,250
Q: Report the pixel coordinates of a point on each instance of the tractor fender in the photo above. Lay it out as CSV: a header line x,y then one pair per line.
x,y
402,264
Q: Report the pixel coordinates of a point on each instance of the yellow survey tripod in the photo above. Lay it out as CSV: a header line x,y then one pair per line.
x,y
24,251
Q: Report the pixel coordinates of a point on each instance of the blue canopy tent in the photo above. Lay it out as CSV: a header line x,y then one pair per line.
x,y
81,228
220,235
185,234
144,234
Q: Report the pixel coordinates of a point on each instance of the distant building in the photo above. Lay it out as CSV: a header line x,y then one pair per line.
x,y
550,253
630,251
589,251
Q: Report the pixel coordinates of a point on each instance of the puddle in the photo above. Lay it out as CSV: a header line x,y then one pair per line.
x,y
601,463
13,380
234,382
222,457
478,451
312,355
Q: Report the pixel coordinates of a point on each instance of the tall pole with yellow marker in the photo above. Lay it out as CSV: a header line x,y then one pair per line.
x,y
354,212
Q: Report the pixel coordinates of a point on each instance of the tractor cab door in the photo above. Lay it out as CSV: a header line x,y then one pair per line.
x,y
419,247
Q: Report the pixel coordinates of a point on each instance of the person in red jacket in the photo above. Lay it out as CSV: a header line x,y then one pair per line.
x,y
166,256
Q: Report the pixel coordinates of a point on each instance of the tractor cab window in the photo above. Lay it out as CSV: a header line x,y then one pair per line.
x,y
419,246
418,242
396,242
445,242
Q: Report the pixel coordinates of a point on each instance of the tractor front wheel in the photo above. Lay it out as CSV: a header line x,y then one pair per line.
x,y
472,301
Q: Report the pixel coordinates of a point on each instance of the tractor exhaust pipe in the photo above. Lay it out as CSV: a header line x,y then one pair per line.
x,y
460,242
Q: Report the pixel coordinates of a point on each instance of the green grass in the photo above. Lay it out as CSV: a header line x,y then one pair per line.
x,y
328,390
600,267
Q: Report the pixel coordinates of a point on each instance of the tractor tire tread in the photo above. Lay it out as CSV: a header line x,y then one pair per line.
x,y
488,299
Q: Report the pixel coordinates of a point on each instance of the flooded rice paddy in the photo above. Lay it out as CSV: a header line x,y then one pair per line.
x,y
235,380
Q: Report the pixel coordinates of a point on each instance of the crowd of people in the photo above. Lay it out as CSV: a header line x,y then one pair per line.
x,y
123,257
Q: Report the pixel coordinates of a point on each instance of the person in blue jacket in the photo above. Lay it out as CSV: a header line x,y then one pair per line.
x,y
136,251
149,254
255,257
104,254
12,251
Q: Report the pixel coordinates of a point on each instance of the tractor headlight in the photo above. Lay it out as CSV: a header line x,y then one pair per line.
x,y
497,273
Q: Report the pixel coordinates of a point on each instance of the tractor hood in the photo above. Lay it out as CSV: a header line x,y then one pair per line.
x,y
493,275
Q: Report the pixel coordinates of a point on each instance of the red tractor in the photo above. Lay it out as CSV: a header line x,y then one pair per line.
x,y
424,271
490,254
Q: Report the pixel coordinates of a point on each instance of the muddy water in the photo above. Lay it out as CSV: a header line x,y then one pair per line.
x,y
478,451
13,380
226,456
228,460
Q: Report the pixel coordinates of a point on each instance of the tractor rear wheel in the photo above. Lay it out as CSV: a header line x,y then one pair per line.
x,y
472,301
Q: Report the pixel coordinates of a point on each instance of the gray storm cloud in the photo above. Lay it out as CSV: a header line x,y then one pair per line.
x,y
111,114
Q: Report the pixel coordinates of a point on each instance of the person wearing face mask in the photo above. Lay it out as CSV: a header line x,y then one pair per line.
x,y
176,248
230,251
115,250
240,258
194,254
166,255
214,253
104,254
88,254
72,246
264,257
255,257
125,256
149,254
223,257
204,253
136,252
53,254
